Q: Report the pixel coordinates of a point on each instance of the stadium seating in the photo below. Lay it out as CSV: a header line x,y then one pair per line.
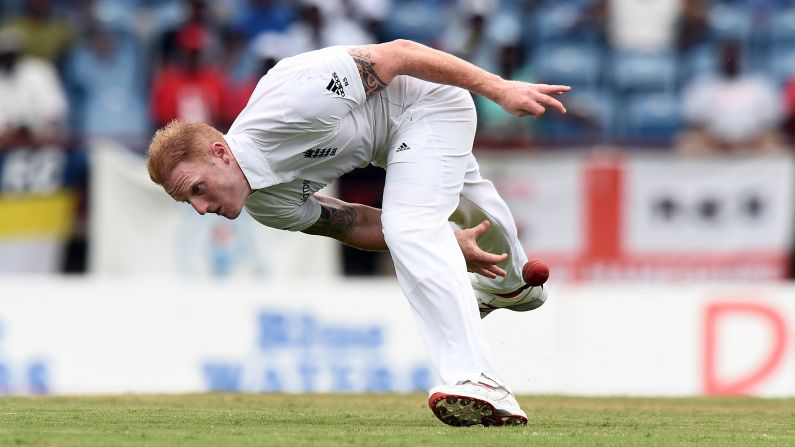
x,y
731,22
557,22
631,72
576,64
655,117
781,30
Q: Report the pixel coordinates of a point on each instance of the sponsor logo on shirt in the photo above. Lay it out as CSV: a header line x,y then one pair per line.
x,y
320,152
335,86
403,147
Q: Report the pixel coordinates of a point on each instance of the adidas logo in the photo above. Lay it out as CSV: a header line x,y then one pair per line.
x,y
335,86
403,147
320,152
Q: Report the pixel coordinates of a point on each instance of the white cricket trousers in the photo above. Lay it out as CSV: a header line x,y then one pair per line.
x,y
430,172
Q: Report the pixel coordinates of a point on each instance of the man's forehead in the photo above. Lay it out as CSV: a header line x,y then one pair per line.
x,y
179,180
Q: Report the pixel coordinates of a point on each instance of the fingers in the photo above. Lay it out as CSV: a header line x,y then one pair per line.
x,y
552,102
485,263
537,109
541,97
486,258
491,272
481,228
484,272
550,89
496,271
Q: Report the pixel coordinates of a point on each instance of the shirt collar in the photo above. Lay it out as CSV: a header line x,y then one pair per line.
x,y
252,161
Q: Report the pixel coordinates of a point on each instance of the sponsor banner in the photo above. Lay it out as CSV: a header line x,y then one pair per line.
x,y
641,217
104,336
715,207
79,336
138,229
652,341
37,207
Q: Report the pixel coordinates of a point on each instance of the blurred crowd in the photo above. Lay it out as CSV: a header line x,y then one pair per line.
x,y
645,72
691,76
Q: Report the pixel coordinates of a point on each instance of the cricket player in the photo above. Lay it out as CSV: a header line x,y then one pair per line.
x,y
407,108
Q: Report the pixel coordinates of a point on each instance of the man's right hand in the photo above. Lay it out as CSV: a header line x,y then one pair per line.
x,y
522,98
479,261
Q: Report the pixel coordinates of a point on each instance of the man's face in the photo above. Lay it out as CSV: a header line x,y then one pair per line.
x,y
214,185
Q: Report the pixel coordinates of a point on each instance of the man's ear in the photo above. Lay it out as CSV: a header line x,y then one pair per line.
x,y
219,150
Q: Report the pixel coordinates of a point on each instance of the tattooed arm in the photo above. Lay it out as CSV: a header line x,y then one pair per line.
x,y
379,64
350,223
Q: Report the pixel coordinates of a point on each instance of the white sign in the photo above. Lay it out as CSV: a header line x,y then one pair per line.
x,y
75,336
136,228
83,336
636,217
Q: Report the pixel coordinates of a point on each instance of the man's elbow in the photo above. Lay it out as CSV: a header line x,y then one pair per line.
x,y
402,45
396,56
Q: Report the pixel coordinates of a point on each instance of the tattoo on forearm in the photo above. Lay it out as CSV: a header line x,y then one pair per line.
x,y
364,62
334,222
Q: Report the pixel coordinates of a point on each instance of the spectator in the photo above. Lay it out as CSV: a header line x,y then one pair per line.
x,y
731,112
236,56
106,72
505,57
692,28
465,36
33,108
198,23
644,26
371,14
321,27
187,87
43,35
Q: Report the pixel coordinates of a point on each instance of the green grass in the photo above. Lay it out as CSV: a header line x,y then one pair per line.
x,y
386,420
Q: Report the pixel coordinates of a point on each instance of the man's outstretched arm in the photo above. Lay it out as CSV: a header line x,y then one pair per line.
x,y
360,226
379,64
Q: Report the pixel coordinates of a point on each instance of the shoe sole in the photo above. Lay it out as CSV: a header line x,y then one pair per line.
x,y
465,411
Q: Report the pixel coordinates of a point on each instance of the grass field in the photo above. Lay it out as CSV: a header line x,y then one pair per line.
x,y
386,420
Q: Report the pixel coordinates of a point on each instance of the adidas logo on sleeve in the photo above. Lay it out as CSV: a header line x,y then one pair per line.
x,y
403,147
335,86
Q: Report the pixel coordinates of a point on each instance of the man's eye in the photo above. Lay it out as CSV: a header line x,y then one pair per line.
x,y
196,190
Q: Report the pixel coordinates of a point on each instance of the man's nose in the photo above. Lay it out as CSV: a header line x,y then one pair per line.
x,y
200,207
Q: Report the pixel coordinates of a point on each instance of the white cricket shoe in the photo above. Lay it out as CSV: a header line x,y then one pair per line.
x,y
528,297
469,403
523,299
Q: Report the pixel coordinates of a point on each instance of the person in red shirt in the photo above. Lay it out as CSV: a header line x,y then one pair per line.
x,y
187,87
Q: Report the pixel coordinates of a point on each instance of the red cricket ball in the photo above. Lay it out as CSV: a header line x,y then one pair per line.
x,y
535,272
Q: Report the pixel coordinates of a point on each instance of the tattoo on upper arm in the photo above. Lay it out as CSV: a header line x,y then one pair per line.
x,y
364,62
336,222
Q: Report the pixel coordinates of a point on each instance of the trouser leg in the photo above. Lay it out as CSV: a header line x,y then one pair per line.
x,y
421,191
480,201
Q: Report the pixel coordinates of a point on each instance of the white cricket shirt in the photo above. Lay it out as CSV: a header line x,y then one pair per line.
x,y
306,124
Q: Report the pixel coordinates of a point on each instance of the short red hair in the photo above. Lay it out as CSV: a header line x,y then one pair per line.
x,y
178,141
